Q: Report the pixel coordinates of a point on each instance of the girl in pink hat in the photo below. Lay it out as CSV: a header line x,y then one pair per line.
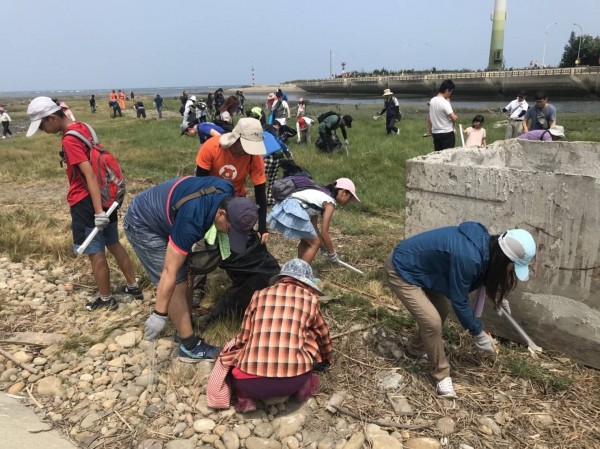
x,y
298,217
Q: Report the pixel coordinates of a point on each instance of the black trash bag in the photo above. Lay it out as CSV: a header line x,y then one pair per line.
x,y
249,271
290,168
334,143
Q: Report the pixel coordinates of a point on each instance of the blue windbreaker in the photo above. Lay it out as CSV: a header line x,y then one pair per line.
x,y
451,261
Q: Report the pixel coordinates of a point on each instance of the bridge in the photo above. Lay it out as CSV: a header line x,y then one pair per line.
x,y
572,82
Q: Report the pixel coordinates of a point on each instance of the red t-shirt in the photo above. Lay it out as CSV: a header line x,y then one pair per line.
x,y
75,153
221,163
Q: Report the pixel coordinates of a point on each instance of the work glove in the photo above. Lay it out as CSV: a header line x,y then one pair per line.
x,y
503,110
346,142
333,258
154,326
504,304
484,342
375,117
101,220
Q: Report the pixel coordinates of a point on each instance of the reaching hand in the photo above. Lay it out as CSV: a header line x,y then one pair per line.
x,y
346,142
485,343
101,220
154,326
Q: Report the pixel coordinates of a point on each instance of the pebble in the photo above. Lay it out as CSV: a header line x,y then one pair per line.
x,y
489,426
204,425
446,425
422,443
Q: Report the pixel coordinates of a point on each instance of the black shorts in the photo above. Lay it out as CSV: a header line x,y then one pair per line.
x,y
443,141
82,221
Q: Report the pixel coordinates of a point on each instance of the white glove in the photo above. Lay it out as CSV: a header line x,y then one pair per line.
x,y
503,305
375,117
484,342
101,220
154,326
346,142
333,258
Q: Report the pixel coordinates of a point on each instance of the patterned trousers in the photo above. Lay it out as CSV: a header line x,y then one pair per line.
x,y
271,171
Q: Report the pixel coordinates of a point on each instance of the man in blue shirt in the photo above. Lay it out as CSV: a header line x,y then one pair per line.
x,y
162,224
542,115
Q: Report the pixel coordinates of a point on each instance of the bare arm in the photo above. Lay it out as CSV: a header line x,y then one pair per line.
x,y
173,262
324,233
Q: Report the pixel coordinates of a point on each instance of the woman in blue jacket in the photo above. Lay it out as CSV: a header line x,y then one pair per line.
x,y
428,269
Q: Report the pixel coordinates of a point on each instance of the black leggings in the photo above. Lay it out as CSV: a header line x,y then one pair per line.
x,y
5,129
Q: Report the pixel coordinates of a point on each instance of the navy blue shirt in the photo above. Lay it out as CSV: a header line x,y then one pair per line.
x,y
152,209
451,261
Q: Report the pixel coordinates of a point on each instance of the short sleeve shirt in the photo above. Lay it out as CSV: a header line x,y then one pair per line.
x,y
315,197
439,112
475,136
76,152
548,112
221,163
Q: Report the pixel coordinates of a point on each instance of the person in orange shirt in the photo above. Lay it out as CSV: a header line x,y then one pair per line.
x,y
236,156
113,96
121,99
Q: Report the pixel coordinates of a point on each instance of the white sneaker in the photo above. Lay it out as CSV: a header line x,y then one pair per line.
x,y
398,132
445,389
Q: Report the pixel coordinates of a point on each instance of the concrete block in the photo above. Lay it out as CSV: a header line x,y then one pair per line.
x,y
551,189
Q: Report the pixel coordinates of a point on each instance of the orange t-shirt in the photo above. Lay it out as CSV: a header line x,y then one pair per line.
x,y
221,163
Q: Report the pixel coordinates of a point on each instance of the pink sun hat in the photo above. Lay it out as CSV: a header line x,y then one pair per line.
x,y
347,184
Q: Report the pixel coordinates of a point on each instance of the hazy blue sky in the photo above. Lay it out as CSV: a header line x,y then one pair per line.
x,y
75,44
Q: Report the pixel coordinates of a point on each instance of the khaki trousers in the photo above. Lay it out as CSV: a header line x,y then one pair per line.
x,y
430,310
513,129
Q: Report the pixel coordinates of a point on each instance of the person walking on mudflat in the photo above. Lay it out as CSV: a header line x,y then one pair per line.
x,y
429,269
391,107
443,117
85,202
5,119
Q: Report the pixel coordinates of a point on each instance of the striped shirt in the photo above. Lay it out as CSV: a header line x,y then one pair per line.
x,y
283,332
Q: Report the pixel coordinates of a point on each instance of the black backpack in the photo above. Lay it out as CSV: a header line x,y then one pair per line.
x,y
283,188
324,115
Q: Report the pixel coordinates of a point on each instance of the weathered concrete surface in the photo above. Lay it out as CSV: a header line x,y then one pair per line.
x,y
552,189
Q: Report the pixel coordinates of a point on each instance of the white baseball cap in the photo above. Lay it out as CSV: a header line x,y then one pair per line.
x,y
250,133
38,109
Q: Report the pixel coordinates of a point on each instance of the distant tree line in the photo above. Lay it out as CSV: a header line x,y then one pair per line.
x,y
589,54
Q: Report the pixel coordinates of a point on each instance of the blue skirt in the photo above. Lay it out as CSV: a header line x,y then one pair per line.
x,y
291,220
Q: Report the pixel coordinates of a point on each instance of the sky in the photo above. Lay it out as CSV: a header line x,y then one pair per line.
x,y
112,44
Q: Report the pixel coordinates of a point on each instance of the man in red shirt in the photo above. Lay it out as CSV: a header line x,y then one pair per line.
x,y
85,202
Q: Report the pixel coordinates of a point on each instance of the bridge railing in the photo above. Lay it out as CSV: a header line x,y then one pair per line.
x,y
459,75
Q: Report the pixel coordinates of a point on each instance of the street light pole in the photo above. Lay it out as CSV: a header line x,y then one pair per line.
x,y
402,56
545,37
579,49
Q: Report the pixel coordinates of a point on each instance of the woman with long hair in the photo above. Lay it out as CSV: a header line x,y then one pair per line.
x,y
298,216
443,265
229,108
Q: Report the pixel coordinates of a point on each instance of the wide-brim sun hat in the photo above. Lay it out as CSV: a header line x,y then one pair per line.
x,y
250,133
519,246
387,92
347,184
557,131
38,109
299,270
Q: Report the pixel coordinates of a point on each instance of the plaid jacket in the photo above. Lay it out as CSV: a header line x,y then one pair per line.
x,y
283,332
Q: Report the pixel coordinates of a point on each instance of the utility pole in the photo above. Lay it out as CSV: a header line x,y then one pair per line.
x,y
496,60
330,68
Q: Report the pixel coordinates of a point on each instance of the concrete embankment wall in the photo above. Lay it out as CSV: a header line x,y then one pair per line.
x,y
563,85
551,189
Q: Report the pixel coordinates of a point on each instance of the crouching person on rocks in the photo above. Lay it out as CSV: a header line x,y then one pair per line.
x,y
162,224
283,337
428,269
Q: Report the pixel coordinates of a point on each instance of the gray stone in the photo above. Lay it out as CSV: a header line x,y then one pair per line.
x,y
356,441
326,443
49,386
242,430
202,406
153,410
204,425
488,422
422,443
179,428
446,425
181,444
90,420
129,339
290,443
85,438
55,369
132,391
385,442
264,430
262,443
288,425
392,381
401,406
230,440
150,444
